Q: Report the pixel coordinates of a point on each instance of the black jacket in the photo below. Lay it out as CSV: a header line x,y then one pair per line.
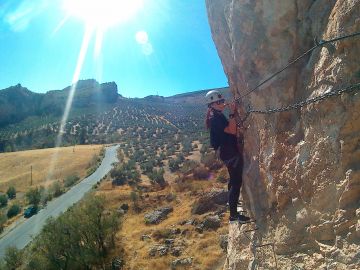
x,y
220,139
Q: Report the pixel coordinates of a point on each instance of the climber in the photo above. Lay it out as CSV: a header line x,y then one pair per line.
x,y
223,137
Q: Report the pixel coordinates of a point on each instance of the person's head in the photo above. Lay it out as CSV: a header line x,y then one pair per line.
x,y
215,100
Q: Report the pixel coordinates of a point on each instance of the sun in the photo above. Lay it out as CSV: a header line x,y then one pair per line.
x,y
102,13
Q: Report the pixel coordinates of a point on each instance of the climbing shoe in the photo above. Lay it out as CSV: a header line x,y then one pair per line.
x,y
239,218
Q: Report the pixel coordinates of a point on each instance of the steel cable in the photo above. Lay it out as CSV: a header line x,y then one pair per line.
x,y
319,44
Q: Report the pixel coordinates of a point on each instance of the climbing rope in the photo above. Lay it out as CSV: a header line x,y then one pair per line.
x,y
318,44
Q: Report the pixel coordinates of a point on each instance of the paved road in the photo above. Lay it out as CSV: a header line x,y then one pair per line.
x,y
22,234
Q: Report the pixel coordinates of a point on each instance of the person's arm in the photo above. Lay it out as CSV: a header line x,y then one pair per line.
x,y
231,128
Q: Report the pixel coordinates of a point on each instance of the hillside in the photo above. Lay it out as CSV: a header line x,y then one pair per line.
x,y
99,115
18,103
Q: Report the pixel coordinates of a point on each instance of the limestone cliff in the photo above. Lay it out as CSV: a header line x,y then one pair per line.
x,y
302,171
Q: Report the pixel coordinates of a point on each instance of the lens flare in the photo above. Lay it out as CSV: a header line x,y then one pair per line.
x,y
80,62
103,13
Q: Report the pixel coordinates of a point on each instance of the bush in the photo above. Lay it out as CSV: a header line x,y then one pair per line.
x,y
3,200
13,211
13,258
56,189
162,234
174,164
201,172
210,160
11,192
189,166
34,196
70,180
2,222
182,183
79,239
157,176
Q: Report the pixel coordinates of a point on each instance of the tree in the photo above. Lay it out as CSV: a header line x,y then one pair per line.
x,y
80,238
3,200
13,211
13,258
56,189
34,196
157,176
11,192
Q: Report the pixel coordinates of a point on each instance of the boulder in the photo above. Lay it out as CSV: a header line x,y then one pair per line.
x,y
145,237
124,207
210,201
158,250
211,222
158,215
181,262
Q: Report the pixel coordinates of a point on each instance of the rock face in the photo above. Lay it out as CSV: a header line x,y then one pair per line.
x,y
301,174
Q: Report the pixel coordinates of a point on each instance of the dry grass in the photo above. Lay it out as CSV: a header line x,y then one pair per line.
x,y
203,247
15,167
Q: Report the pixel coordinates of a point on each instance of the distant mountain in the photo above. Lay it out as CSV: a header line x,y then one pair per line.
x,y
98,115
18,103
196,97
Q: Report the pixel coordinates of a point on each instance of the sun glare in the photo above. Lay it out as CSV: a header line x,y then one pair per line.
x,y
103,13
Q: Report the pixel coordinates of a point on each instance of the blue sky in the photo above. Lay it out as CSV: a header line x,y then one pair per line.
x,y
164,48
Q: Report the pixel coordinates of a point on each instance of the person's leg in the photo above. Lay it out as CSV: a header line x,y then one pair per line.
x,y
235,172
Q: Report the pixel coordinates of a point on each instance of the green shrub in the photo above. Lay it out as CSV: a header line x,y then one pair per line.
x,y
3,200
3,220
79,239
174,164
13,211
34,196
56,189
70,180
157,176
189,166
13,258
11,192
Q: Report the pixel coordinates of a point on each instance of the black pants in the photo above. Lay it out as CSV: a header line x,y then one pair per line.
x,y
235,169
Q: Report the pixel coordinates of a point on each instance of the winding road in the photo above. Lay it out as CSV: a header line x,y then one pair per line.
x,y
23,233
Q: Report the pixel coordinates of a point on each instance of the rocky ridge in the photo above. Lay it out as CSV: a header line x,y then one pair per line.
x,y
301,175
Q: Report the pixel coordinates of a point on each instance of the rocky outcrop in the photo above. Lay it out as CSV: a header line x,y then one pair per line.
x,y
301,174
158,215
210,201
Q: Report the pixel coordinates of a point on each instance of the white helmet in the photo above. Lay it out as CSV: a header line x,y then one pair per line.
x,y
213,96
